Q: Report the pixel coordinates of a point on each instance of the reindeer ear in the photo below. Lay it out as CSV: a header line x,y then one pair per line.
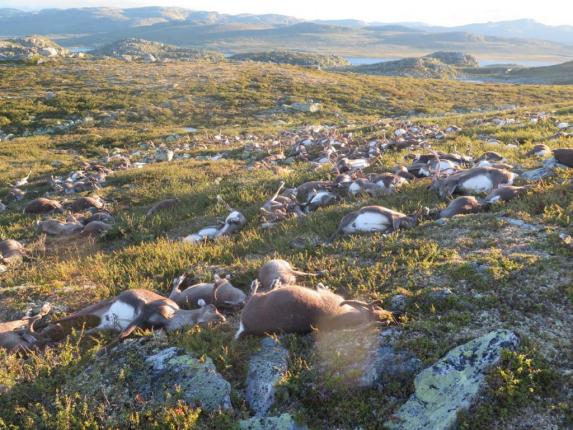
x,y
201,303
217,278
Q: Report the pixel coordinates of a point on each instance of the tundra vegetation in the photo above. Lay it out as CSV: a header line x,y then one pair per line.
x,y
230,129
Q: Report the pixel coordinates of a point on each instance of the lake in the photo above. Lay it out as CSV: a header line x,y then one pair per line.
x,y
358,61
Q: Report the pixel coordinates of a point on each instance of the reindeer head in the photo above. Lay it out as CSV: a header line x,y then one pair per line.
x,y
372,311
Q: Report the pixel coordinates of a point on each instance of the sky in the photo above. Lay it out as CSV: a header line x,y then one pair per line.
x,y
436,12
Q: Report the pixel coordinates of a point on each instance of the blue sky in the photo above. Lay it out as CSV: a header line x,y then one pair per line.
x,y
439,12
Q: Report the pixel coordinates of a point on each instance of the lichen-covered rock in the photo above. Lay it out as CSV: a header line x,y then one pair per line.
x,y
148,370
266,368
198,381
451,384
283,422
398,303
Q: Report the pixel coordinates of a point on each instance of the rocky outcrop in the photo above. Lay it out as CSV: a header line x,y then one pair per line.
x,y
266,368
423,67
30,48
148,370
151,52
451,384
457,59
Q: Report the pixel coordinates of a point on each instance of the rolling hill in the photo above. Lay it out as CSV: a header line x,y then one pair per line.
x,y
94,27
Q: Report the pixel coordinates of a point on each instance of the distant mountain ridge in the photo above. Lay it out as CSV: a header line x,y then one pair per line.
x,y
95,27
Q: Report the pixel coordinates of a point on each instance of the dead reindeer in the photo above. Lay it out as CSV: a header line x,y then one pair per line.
x,y
461,205
489,159
54,227
280,207
362,186
477,180
270,205
132,309
505,193
280,271
15,194
372,219
23,181
540,151
42,205
403,172
96,228
220,293
234,222
389,181
11,252
19,335
319,199
306,191
344,165
294,309
85,203
162,205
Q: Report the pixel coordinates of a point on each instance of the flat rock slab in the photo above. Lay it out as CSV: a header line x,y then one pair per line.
x,y
198,380
148,370
283,422
451,384
266,368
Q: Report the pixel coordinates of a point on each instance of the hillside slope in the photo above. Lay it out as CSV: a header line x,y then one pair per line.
x,y
232,142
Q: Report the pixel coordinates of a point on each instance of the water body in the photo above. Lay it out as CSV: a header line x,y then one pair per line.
x,y
359,61
78,49
524,63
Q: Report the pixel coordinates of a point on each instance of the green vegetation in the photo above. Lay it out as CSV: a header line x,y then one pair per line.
x,y
500,275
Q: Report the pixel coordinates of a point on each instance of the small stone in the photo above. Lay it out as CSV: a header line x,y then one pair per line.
x,y
398,303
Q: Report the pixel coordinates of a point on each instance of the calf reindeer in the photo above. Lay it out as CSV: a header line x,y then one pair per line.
x,y
477,180
461,205
11,252
505,193
294,309
19,335
220,293
234,222
371,219
133,309
278,272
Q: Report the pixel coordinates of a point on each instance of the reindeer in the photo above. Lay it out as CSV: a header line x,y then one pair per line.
x,y
371,219
278,272
19,335
221,293
136,308
294,309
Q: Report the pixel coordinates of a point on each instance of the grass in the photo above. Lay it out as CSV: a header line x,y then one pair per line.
x,y
500,275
